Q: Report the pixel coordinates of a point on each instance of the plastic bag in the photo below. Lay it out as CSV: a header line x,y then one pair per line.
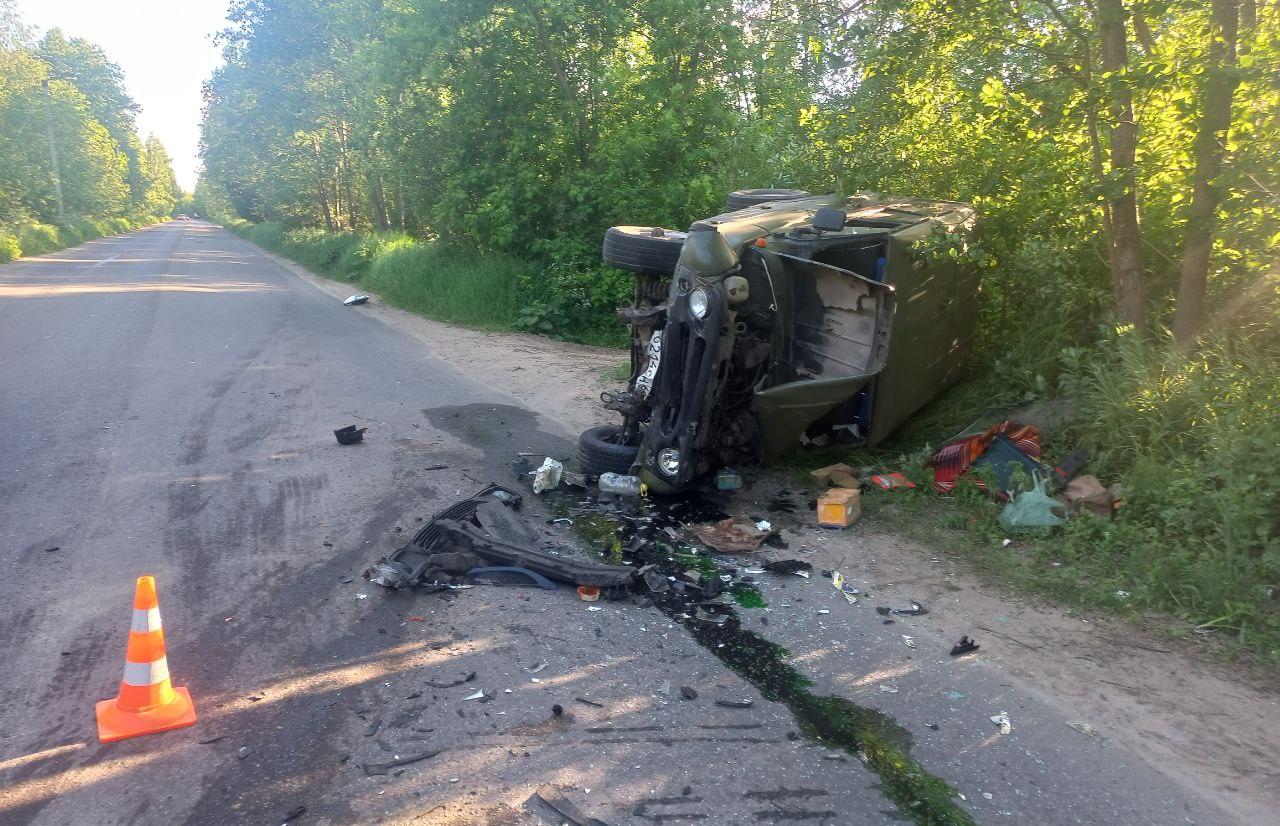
x,y
1033,509
548,476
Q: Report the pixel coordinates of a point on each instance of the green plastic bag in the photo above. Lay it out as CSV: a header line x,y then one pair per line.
x,y
1033,509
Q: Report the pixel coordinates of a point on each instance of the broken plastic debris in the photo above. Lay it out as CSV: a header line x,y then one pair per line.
x,y
358,298
1002,720
538,667
735,703
707,616
383,768
886,688
728,479
479,695
784,566
362,596
964,647
349,435
764,525
594,608
910,641
466,678
1084,728
547,477
850,593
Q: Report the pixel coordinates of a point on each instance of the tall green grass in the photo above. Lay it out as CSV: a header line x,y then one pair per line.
x,y
1193,441
426,277
38,239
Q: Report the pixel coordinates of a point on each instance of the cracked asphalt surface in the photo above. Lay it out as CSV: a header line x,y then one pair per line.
x,y
170,396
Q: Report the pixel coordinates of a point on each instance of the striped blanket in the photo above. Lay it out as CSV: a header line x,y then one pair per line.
x,y
953,459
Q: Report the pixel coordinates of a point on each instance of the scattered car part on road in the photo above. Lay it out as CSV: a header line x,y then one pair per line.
x,y
735,703
504,574
385,768
486,528
466,678
786,566
349,435
550,797
358,298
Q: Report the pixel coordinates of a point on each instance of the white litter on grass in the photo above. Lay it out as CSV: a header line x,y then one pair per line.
x,y
1122,594
1002,720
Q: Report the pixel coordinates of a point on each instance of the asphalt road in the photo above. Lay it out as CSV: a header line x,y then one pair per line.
x,y
168,398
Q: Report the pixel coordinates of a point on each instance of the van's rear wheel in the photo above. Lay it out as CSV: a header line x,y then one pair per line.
x,y
604,449
643,250
751,197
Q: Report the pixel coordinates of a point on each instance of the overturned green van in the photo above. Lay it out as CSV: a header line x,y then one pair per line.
x,y
789,319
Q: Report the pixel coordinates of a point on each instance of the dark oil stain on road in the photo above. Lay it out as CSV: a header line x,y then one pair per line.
x,y
638,530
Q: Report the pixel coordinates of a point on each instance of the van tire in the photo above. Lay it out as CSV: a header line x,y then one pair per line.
x,y
744,198
643,250
601,450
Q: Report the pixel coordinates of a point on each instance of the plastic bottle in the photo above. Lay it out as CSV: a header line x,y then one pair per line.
x,y
620,484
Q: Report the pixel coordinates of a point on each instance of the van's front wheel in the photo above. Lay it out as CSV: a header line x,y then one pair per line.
x,y
606,449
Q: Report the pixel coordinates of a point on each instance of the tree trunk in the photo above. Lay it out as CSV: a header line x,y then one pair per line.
x,y
322,186
1126,232
378,197
1210,148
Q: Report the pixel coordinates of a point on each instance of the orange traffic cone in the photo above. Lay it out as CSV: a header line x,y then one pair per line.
x,y
148,702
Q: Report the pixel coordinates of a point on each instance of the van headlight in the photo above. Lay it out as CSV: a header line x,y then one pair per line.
x,y
698,303
669,461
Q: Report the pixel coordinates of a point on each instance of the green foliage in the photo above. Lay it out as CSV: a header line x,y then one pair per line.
x,y
9,247
37,239
107,176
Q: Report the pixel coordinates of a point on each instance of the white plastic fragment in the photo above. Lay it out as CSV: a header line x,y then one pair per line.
x,y
479,695
1002,720
547,477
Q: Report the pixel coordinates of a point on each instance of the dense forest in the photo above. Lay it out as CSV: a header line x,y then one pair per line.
x,y
464,157
63,98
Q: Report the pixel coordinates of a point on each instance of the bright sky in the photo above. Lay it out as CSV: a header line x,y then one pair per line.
x,y
165,48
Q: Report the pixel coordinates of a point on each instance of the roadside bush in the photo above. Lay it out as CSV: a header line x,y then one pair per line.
x,y
37,239
9,247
